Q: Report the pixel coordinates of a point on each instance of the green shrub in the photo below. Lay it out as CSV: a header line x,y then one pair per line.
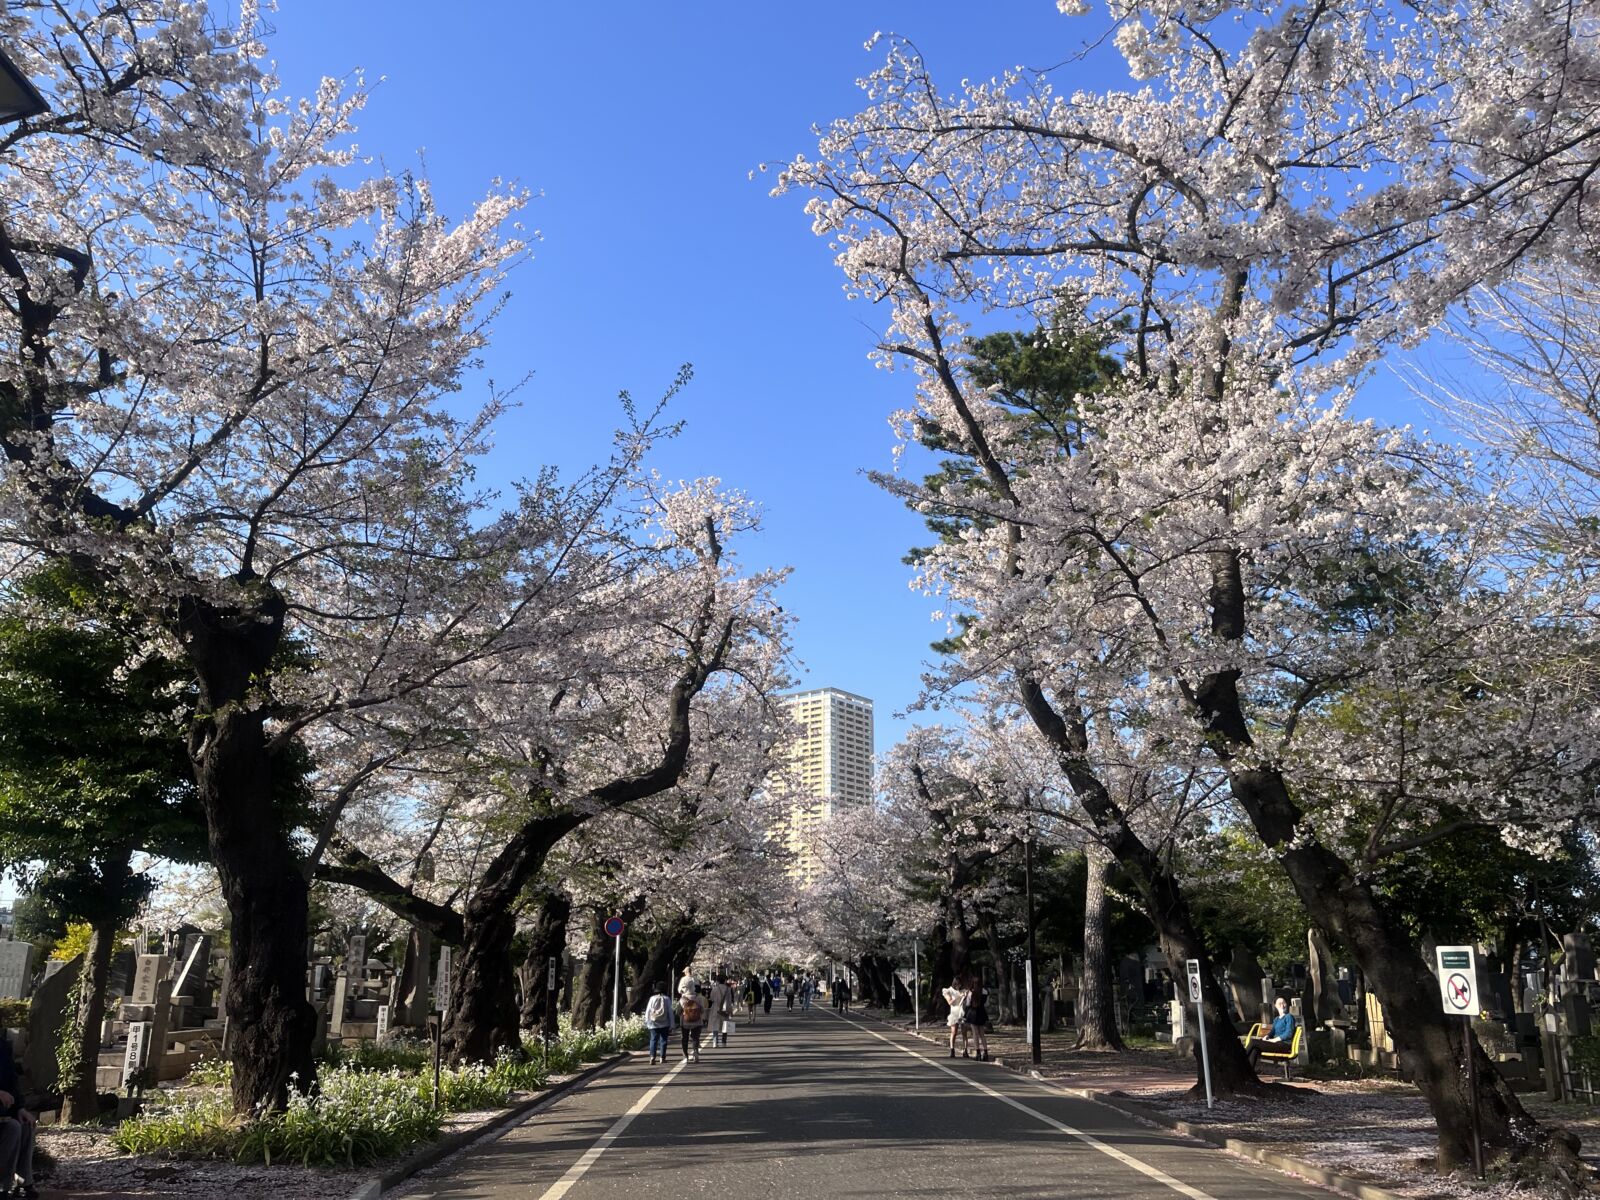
x,y
520,1074
211,1072
13,1014
391,1054
465,1089
354,1119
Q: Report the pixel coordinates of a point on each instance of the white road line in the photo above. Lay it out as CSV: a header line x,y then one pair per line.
x,y
578,1169
1144,1168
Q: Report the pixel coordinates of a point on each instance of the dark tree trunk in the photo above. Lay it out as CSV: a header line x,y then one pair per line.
x,y
675,944
592,984
547,940
1096,1008
236,768
1002,996
1162,899
80,1100
959,939
940,975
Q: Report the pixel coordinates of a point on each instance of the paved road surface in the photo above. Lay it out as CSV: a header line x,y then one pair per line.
x,y
810,1104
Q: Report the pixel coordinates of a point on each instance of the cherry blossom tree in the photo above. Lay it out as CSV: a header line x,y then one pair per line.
x,y
228,346
597,715
1290,191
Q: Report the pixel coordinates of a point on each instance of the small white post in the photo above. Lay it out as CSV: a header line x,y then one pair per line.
x,y
1029,984
916,984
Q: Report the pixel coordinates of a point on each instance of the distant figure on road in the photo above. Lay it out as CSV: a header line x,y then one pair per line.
x,y
752,995
788,993
721,998
658,1020
957,998
806,987
722,1013
691,1016
978,1015
1278,1039
844,994
766,995
833,993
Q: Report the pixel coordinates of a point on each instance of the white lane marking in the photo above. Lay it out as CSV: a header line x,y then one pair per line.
x,y
1144,1168
577,1170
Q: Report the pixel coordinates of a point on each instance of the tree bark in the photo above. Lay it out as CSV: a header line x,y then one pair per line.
x,y
80,1095
1159,894
677,943
547,941
271,1024
591,986
1096,1009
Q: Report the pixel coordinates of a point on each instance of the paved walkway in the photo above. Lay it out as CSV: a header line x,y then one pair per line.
x,y
815,1104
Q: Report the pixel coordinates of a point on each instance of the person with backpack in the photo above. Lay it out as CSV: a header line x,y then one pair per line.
x,y
978,1016
658,1020
691,1016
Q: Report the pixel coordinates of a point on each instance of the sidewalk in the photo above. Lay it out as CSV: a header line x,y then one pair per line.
x,y
1377,1135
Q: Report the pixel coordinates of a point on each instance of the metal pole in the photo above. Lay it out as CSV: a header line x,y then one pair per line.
x,y
916,984
616,997
1205,1052
1472,1088
1033,1004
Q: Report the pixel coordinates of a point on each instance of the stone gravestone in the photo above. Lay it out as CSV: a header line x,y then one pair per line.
x,y
383,1022
15,959
1324,980
1244,985
355,959
158,1028
46,1015
147,975
1578,961
119,980
413,988
336,1013
51,967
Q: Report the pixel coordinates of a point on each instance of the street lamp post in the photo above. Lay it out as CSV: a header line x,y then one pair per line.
x,y
1033,1006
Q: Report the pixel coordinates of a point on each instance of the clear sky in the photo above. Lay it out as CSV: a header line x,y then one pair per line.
x,y
639,124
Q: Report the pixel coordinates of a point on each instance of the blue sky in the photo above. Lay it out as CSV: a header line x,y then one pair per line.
x,y
640,124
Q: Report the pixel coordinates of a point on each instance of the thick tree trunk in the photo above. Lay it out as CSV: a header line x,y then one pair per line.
x,y
940,975
1096,1008
1159,894
80,1099
547,940
592,985
1001,997
959,939
271,1024
675,944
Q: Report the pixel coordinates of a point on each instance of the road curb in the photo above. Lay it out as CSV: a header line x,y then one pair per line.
x,y
447,1145
1277,1160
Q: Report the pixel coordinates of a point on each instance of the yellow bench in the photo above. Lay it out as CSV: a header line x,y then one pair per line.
x,y
1286,1057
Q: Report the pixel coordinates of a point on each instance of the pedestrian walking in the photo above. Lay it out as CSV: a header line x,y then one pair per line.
x,y
724,1015
978,1016
844,994
956,1019
752,994
766,995
721,999
658,1021
691,1016
807,985
788,994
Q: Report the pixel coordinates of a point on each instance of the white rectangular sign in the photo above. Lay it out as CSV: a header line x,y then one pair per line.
x,y
133,1058
1194,979
1458,980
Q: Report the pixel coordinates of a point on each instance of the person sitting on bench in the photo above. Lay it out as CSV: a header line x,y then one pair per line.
x,y
1278,1039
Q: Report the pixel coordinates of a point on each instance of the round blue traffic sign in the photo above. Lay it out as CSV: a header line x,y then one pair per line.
x,y
614,926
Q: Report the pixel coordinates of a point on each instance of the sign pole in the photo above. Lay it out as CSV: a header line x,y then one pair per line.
x,y
916,984
616,995
1200,1018
1472,1088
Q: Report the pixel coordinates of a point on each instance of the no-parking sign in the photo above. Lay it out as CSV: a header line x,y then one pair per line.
x,y
1458,980
614,927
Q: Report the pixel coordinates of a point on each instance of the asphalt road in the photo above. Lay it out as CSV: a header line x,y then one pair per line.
x,y
815,1105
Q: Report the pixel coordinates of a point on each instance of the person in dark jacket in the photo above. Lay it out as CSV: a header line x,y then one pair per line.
x,y
16,1131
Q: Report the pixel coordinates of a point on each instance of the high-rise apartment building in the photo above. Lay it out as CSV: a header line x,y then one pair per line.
x,y
831,764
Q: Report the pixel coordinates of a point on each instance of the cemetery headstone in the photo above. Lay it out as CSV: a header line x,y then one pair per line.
x,y
51,967
383,1022
119,980
336,1013
158,1028
1244,985
1578,960
147,975
46,1015
15,960
413,1007
441,983
355,959
1323,978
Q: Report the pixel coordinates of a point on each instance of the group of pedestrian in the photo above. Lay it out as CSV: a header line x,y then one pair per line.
x,y
968,1017
694,1009
841,994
